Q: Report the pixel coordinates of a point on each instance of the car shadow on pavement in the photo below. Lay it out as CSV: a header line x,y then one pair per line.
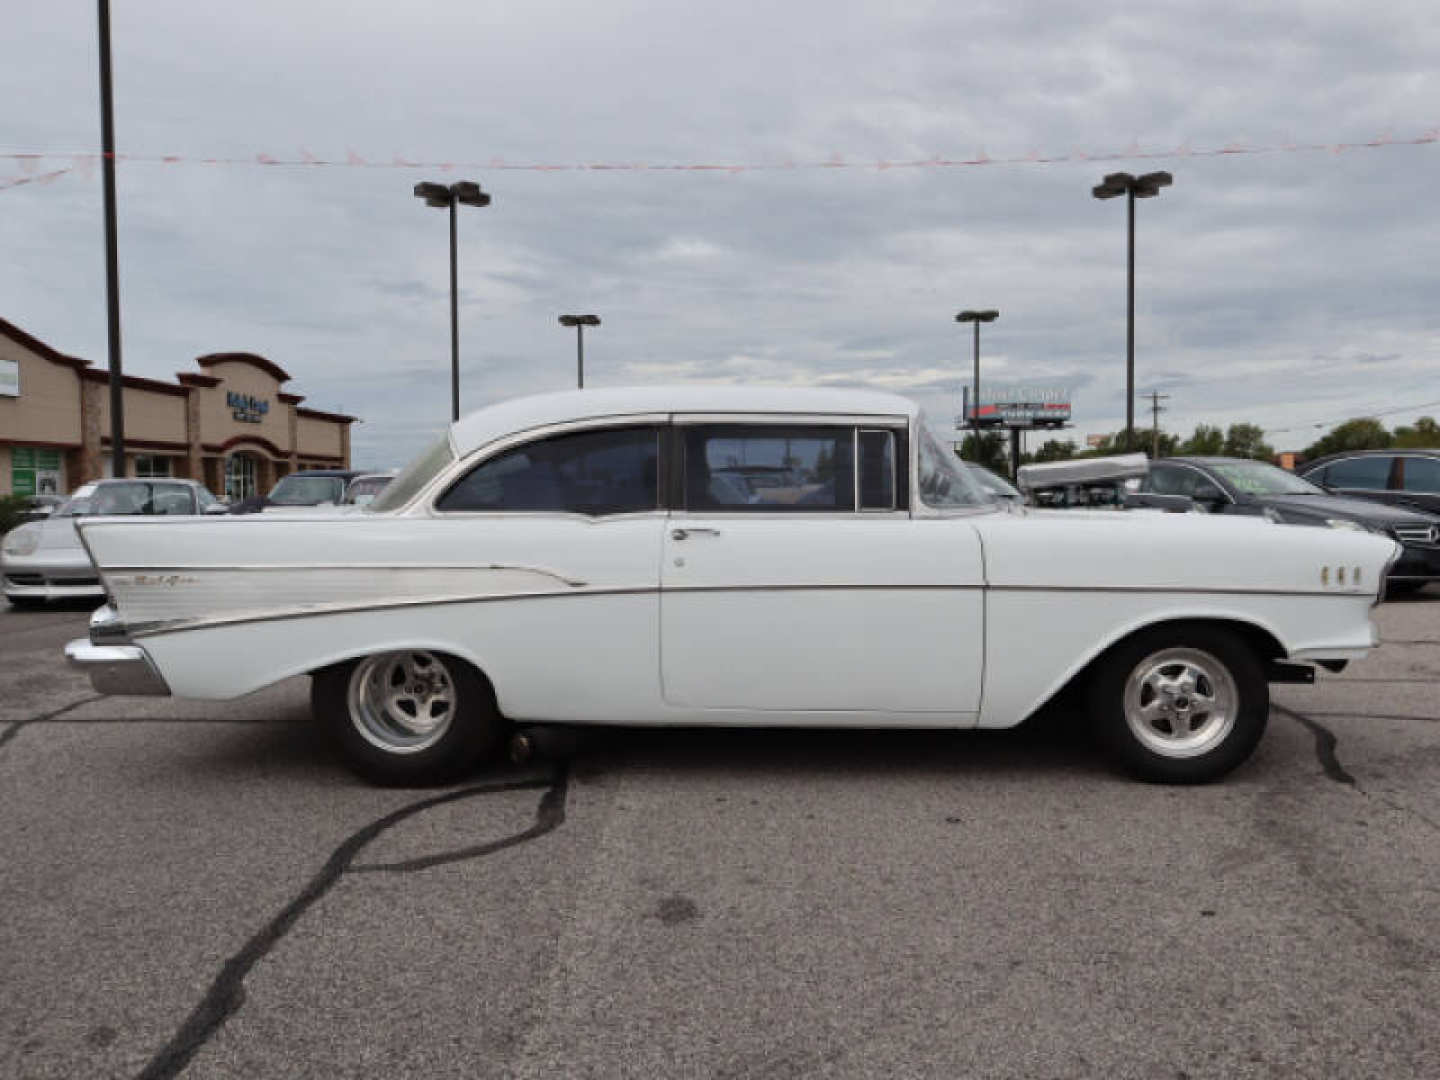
x,y
1048,743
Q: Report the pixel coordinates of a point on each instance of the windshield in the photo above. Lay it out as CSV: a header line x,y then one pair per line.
x,y
414,477
128,497
307,490
993,484
1260,478
945,483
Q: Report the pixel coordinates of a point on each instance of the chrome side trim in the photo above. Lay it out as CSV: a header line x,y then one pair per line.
x,y
162,575
1180,590
117,669
159,626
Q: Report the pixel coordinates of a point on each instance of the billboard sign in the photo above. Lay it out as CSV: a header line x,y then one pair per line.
x,y
9,377
1017,406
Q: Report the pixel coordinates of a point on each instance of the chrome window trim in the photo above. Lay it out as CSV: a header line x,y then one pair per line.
x,y
860,508
425,499
768,512
877,420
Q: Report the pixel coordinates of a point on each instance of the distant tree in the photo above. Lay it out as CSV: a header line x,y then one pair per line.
x,y
988,450
1424,435
1365,434
1247,441
1053,450
1207,441
1143,443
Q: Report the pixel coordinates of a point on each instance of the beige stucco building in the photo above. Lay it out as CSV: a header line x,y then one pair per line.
x,y
229,424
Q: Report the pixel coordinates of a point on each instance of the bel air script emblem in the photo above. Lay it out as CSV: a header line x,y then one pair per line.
x,y
163,579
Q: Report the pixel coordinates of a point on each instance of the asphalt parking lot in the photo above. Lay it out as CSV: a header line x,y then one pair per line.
x,y
199,889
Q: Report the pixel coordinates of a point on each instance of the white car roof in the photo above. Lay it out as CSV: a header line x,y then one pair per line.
x,y
1084,471
521,414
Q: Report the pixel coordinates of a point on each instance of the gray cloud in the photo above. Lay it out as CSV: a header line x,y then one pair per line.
x,y
1283,288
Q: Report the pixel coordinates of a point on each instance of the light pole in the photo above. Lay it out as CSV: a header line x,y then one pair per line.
x,y
976,317
580,322
112,248
442,195
1135,187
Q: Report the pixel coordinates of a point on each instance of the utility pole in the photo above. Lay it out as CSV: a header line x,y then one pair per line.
x,y
1155,410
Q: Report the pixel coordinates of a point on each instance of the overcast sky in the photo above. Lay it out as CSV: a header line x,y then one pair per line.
x,y
1288,287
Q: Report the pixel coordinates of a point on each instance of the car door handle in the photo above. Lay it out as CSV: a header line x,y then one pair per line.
x,y
681,534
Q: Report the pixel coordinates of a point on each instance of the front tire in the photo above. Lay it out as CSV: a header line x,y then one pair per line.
x,y
411,718
1181,704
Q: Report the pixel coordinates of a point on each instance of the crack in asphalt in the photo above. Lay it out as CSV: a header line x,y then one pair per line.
x,y
1372,716
17,726
1378,679
1325,745
227,992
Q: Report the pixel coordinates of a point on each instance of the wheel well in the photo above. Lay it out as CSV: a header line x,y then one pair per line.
x,y
1266,646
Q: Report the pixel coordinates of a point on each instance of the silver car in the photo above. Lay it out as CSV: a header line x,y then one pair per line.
x,y
43,560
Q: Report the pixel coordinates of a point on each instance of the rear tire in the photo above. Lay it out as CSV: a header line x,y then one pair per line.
x,y
410,718
1182,704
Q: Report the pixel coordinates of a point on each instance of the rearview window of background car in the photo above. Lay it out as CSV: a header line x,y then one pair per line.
x,y
1422,474
1359,473
614,471
769,468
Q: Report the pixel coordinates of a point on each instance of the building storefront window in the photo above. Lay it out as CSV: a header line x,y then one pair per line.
x,y
148,465
239,477
34,471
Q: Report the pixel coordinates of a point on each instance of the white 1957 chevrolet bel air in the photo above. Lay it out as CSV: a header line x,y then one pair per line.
x,y
726,556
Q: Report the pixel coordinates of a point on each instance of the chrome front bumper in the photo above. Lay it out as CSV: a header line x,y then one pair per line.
x,y
117,669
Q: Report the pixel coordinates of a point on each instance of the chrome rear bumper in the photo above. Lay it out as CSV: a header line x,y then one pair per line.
x,y
117,669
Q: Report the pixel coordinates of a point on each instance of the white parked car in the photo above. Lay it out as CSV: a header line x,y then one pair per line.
x,y
566,559
43,560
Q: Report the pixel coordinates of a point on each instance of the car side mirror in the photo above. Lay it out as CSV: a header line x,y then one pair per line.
x,y
1209,496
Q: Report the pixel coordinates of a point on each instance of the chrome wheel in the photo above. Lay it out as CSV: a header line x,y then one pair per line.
x,y
401,702
1180,702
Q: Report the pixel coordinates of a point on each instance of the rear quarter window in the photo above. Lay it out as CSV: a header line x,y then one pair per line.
x,y
1359,473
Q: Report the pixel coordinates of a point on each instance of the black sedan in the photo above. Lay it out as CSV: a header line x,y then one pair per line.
x,y
1409,478
1241,486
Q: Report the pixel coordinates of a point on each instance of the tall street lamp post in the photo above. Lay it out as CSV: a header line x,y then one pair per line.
x,y
465,192
112,252
1134,187
976,317
579,322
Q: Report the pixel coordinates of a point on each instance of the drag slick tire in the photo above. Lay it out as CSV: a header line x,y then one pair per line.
x,y
411,718
1181,704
